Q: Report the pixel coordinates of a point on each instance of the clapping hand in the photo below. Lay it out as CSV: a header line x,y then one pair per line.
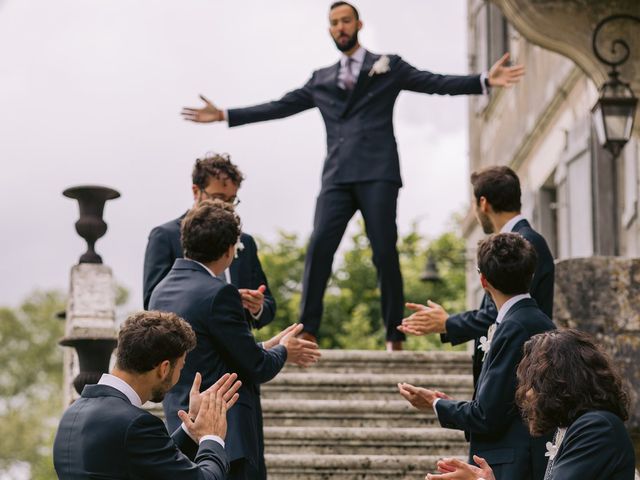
x,y
253,300
226,385
502,75
208,113
430,318
299,352
420,398
454,469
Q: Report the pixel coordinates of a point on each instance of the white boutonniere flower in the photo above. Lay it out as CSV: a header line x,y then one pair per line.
x,y
381,66
239,247
485,345
552,450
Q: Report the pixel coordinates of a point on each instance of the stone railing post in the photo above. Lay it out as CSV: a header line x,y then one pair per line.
x,y
90,315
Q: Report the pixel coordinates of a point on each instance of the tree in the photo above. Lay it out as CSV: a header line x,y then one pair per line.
x,y
352,316
30,384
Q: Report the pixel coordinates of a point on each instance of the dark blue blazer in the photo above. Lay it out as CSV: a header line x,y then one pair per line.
x,y
246,271
492,420
224,344
101,435
473,324
361,144
595,446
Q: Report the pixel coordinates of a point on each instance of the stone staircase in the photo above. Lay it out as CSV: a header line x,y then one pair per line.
x,y
344,420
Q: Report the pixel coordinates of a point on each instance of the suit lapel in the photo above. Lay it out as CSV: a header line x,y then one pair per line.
x,y
363,82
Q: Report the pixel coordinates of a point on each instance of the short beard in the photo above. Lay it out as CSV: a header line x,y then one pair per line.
x,y
485,223
353,40
158,392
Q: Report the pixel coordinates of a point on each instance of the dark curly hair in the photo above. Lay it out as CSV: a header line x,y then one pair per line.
x,y
216,165
508,262
564,374
208,230
146,339
500,186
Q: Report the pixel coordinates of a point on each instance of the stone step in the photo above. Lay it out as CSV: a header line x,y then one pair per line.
x,y
350,467
363,441
344,413
370,361
332,386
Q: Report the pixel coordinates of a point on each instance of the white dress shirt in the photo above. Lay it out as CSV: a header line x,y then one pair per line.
x,y
126,389
508,227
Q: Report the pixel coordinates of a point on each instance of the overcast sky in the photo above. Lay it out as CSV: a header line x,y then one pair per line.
x,y
90,93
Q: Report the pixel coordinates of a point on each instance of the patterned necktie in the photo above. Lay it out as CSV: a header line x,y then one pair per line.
x,y
348,78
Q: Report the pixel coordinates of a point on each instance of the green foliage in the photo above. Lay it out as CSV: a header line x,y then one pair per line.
x,y
30,383
352,315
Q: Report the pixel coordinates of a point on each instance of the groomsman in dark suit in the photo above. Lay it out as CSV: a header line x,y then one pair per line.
x,y
107,434
356,97
492,421
213,177
497,204
193,289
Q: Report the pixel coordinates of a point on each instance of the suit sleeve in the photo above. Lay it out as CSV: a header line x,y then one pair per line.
x,y
258,278
426,82
158,260
153,454
588,450
470,325
232,335
293,102
493,407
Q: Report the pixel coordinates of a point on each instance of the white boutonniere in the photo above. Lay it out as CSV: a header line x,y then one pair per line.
x,y
381,66
552,447
485,342
239,247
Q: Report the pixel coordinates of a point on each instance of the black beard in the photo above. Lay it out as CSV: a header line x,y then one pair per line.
x,y
349,45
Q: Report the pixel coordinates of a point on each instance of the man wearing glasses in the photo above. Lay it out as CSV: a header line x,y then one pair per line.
x,y
213,177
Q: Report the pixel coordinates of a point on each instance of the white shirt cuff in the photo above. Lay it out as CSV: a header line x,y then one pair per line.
x,y
483,84
435,402
256,316
215,438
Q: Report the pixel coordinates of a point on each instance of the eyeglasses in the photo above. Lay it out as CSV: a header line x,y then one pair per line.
x,y
235,201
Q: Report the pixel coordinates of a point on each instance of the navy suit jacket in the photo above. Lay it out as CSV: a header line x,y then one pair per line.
x,y
164,247
102,435
492,420
595,446
225,344
361,144
473,324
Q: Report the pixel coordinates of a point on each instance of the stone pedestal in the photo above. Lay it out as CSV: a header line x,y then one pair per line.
x,y
90,324
601,295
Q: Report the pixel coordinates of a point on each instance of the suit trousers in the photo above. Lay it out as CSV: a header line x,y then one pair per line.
x,y
335,206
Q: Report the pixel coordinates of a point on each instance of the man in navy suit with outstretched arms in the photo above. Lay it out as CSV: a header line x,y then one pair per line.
x,y
361,171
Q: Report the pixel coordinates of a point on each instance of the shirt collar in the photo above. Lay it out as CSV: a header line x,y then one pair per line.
x,y
205,267
508,227
358,57
508,305
122,387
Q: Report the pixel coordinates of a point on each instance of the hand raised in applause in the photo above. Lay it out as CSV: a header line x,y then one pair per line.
x,y
225,389
420,398
207,114
454,469
299,352
430,318
253,300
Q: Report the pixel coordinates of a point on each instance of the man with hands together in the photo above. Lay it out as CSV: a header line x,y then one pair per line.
x,y
107,434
